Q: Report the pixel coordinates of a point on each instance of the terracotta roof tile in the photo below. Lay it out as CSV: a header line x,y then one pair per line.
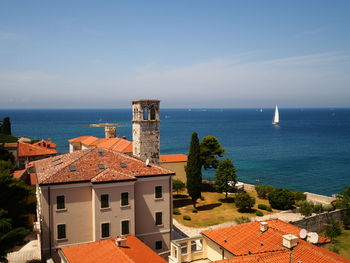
x,y
84,166
26,149
248,244
9,144
173,158
47,144
117,144
17,174
106,251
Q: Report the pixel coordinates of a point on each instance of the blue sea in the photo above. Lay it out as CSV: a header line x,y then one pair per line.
x,y
308,151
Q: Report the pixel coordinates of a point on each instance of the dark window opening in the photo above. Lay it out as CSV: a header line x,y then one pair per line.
x,y
125,199
159,218
60,202
159,244
125,227
104,201
158,192
61,231
105,230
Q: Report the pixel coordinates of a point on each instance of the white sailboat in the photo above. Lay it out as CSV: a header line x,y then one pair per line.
x,y
276,118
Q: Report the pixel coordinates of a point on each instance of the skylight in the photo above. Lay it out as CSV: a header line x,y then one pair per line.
x,y
101,166
72,168
123,165
101,153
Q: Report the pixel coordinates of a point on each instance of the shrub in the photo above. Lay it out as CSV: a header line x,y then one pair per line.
x,y
242,220
269,209
178,185
282,199
328,208
299,196
194,210
244,202
263,190
262,206
208,186
305,208
259,213
176,211
186,217
333,229
318,208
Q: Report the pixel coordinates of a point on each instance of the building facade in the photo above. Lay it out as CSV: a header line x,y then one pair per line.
x,y
99,193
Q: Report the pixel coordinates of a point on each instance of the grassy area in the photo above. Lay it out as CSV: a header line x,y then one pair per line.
x,y
214,209
342,244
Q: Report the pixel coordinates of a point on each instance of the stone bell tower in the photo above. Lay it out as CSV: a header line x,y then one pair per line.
x,y
146,130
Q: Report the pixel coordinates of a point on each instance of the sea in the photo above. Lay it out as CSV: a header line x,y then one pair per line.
x,y
308,151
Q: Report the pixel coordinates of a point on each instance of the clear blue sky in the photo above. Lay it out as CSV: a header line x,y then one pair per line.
x,y
190,53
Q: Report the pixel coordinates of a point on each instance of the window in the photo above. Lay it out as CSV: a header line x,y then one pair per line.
x,y
159,218
60,202
101,153
105,230
61,231
125,199
145,114
125,227
159,244
104,201
158,192
153,114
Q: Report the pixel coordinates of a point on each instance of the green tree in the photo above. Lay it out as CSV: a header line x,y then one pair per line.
x,y
210,151
9,236
6,126
178,185
344,202
5,155
225,176
244,202
333,229
193,170
282,199
263,190
17,200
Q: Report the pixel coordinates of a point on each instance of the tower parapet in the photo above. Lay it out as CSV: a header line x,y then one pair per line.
x,y
110,132
146,129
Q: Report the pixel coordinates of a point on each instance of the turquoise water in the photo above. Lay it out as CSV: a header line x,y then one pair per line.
x,y
308,151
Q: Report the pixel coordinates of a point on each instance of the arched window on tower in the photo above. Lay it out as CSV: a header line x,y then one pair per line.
x,y
145,114
153,114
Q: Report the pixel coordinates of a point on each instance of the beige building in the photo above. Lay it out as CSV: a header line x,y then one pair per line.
x,y
255,242
176,163
99,193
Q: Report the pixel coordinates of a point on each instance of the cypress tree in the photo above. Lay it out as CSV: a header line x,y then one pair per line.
x,y
193,170
6,126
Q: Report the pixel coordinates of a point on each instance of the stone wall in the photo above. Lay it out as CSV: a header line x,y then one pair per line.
x,y
318,223
320,199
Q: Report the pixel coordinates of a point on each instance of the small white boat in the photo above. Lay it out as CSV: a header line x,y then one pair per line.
x,y
276,117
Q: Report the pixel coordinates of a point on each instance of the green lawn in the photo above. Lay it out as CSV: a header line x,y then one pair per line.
x,y
341,243
212,210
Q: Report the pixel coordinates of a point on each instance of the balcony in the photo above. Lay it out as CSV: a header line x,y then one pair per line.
x,y
191,249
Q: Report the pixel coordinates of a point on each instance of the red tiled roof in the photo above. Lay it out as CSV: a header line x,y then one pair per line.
x,y
117,144
26,149
106,251
248,244
84,166
17,174
239,239
46,144
173,158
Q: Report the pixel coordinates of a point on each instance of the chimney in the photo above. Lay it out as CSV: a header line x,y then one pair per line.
x,y
289,241
110,132
263,227
120,241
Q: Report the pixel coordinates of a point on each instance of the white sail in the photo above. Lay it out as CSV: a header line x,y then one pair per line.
x,y
276,118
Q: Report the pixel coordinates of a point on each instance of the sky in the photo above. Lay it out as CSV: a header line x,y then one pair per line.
x,y
187,53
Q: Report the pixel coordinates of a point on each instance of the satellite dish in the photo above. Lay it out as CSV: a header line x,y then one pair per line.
x,y
147,162
314,238
303,234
